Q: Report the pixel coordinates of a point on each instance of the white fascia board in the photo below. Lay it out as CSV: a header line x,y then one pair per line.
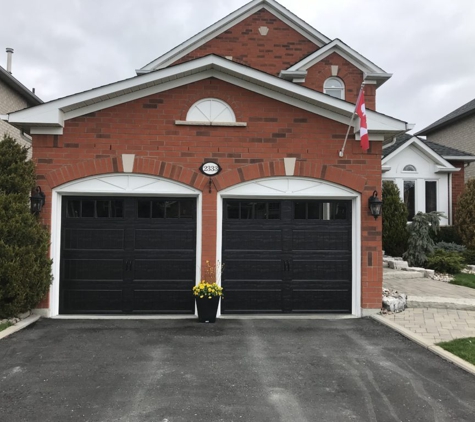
x,y
46,130
441,169
385,169
372,71
55,112
459,158
4,117
229,21
439,161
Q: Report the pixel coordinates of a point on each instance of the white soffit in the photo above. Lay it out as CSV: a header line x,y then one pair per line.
x,y
229,21
54,113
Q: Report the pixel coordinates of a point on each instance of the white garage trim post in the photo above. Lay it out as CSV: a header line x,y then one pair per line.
x,y
300,188
114,185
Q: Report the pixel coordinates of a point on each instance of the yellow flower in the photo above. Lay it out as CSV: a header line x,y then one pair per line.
x,y
201,297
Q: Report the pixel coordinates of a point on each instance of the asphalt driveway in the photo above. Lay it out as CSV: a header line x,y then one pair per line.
x,y
234,370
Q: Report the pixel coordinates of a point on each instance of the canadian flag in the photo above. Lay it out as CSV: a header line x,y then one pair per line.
x,y
361,112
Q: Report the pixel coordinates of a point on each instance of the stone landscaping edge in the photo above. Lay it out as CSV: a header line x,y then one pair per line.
x,y
424,343
19,325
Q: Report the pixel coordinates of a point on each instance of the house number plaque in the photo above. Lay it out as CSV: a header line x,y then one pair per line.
x,y
210,168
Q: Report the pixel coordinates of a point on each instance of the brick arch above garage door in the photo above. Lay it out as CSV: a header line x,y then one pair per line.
x,y
276,168
156,167
142,165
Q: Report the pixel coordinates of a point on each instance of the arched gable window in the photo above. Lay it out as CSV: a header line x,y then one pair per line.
x,y
210,110
334,87
409,167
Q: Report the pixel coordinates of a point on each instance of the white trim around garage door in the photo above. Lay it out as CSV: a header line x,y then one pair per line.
x,y
113,185
295,188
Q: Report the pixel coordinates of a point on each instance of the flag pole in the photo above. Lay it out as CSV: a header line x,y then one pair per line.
x,y
342,150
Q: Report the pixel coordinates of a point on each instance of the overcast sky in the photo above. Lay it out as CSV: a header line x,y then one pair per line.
x,y
67,46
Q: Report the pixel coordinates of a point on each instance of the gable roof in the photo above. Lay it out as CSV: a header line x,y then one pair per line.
x,y
49,118
18,87
458,114
229,21
371,71
446,153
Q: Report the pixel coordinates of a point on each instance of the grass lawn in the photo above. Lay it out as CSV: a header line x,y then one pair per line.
x,y
462,279
4,325
463,348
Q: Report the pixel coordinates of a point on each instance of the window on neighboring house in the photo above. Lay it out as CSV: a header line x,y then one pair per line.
x,y
210,110
334,87
410,198
409,167
431,196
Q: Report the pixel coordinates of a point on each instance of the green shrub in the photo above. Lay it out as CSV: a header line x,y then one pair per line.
x,y
446,262
469,256
465,215
447,234
25,270
420,243
395,234
450,247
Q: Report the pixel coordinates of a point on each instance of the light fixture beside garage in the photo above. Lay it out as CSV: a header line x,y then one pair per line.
x,y
375,205
37,200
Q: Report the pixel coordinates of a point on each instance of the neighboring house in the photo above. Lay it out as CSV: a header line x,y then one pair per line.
x,y
133,218
14,96
455,130
430,177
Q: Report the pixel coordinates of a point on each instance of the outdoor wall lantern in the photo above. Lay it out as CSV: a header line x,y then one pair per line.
x,y
375,205
37,200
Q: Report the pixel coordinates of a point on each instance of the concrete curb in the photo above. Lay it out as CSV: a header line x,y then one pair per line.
x,y
424,343
19,326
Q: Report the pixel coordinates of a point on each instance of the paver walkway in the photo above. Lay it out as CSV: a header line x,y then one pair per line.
x,y
437,311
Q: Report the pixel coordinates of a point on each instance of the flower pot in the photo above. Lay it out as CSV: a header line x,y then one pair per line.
x,y
207,309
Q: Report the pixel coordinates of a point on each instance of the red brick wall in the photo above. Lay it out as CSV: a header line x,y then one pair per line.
x,y
276,51
93,144
347,72
458,186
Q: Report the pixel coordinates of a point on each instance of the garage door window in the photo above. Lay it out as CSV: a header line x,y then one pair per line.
x,y
253,210
165,209
318,210
95,208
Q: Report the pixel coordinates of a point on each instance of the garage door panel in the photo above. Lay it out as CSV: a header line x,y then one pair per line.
x,y
93,239
254,240
158,270
239,270
309,300
162,239
93,269
164,301
252,300
91,301
321,268
328,238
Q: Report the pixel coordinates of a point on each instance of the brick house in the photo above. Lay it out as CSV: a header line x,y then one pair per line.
x,y
14,96
455,130
262,97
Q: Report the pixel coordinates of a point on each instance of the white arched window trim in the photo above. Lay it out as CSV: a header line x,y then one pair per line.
x,y
335,87
210,112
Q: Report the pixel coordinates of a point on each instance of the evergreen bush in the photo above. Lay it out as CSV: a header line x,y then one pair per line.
x,y
465,215
469,256
420,243
447,234
450,247
395,233
446,262
25,270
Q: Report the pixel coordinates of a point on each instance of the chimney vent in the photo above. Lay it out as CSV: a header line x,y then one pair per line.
x,y
9,59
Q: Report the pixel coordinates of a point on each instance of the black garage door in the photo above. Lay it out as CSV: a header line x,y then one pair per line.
x,y
127,255
287,256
